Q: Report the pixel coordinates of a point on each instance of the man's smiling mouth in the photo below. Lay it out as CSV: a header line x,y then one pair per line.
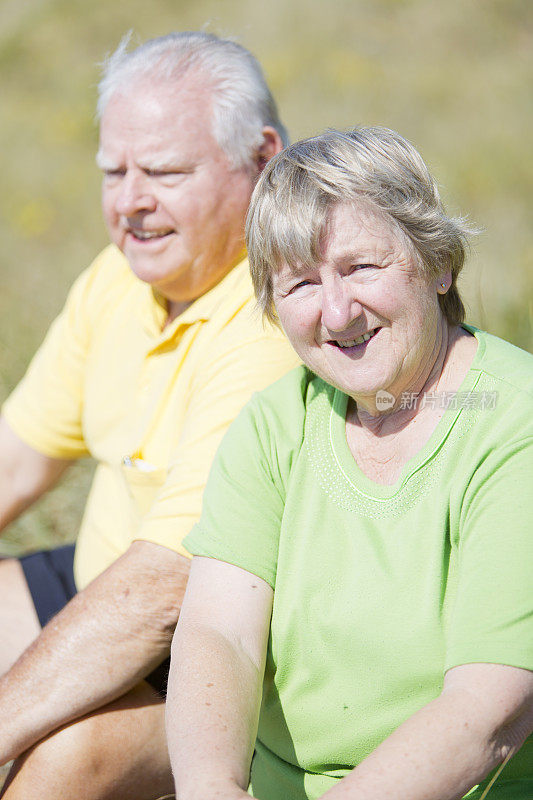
x,y
143,236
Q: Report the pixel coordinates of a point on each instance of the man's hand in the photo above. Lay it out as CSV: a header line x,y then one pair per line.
x,y
25,474
99,646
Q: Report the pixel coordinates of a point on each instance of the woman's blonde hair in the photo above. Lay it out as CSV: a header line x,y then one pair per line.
x,y
298,188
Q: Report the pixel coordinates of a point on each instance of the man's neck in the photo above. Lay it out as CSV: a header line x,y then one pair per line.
x,y
175,309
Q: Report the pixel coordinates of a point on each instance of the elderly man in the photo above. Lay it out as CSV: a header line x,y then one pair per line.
x,y
155,352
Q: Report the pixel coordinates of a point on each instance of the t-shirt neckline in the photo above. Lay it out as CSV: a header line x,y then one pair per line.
x,y
348,466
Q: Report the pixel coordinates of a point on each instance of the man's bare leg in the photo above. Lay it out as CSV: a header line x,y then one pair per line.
x,y
116,753
19,624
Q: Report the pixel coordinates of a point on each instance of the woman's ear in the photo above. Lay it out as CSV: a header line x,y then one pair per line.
x,y
444,282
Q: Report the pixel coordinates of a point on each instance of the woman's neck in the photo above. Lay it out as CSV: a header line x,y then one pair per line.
x,y
383,443
437,374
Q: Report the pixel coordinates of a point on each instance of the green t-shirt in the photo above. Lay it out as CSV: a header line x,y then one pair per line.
x,y
378,589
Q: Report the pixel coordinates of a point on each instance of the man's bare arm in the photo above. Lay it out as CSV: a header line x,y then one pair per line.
x,y
100,645
25,474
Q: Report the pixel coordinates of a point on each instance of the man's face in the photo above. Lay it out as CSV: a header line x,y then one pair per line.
x,y
171,201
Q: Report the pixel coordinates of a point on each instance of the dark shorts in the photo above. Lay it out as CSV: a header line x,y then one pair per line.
x,y
50,578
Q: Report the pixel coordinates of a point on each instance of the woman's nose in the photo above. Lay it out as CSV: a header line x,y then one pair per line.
x,y
339,305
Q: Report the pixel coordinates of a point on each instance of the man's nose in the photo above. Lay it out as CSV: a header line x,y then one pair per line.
x,y
340,307
134,194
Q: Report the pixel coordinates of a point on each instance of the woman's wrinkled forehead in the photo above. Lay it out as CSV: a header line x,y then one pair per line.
x,y
294,228
304,245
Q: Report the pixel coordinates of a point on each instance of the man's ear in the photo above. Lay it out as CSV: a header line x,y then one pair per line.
x,y
270,145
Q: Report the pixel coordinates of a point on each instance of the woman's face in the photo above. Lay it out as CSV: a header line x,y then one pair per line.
x,y
365,318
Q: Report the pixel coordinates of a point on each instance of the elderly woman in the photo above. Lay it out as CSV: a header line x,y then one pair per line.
x,y
364,558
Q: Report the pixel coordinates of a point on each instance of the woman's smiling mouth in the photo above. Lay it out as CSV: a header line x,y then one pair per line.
x,y
354,342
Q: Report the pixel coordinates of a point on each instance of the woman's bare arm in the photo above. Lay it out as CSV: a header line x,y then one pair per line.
x,y
215,684
484,714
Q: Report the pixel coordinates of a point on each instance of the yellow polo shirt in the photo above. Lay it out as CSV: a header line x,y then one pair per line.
x,y
150,405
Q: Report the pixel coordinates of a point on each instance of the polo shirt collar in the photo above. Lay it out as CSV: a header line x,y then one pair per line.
x,y
154,306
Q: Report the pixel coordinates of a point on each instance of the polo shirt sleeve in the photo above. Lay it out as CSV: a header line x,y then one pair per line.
x,y
225,382
45,409
492,616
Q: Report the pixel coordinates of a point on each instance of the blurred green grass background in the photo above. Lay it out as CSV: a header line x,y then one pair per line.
x,y
454,77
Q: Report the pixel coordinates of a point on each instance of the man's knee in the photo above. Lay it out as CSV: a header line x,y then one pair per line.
x,y
116,752
74,745
19,624
47,766
60,765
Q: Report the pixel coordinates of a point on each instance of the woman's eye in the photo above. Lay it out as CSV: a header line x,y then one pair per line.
x,y
299,285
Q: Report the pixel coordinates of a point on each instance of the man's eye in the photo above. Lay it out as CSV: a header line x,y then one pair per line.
x,y
114,173
166,174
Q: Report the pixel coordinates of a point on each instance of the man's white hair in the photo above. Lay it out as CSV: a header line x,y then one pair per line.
x,y
242,101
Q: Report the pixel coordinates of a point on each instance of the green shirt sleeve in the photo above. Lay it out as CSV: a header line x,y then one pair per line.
x,y
243,501
492,616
